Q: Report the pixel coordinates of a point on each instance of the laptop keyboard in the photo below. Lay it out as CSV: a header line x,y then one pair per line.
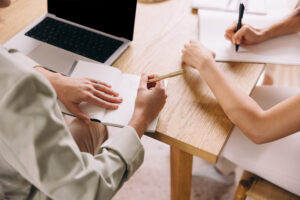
x,y
77,40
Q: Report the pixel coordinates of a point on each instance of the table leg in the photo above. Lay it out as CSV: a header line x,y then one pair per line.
x,y
181,174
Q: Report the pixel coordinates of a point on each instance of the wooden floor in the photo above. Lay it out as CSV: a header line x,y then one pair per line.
x,y
284,75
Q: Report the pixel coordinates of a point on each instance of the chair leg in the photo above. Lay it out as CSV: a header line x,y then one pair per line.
x,y
243,186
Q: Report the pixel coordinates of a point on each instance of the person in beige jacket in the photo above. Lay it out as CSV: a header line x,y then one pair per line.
x,y
40,158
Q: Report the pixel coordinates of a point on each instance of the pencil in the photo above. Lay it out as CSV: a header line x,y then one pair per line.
x,y
177,73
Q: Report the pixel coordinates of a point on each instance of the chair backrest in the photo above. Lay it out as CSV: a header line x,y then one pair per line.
x,y
257,188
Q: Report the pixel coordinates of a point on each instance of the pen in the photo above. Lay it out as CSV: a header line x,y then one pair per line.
x,y
241,14
177,73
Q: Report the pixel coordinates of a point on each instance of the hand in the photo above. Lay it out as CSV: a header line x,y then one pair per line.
x,y
197,55
149,102
73,91
246,35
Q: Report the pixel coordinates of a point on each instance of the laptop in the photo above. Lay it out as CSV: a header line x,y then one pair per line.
x,y
90,30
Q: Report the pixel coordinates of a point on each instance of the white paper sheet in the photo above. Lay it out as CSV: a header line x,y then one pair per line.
x,y
281,50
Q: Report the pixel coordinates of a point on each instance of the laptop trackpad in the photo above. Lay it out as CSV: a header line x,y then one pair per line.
x,y
54,58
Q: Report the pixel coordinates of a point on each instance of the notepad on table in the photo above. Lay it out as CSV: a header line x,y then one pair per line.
x,y
125,84
280,50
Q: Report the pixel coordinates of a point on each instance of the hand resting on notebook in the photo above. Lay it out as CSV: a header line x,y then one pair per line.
x,y
72,91
249,35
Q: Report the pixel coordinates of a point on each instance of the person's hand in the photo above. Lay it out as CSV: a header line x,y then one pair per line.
x,y
197,55
72,91
246,35
150,100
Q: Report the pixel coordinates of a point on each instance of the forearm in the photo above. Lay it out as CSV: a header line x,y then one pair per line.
x,y
288,25
241,109
138,123
52,77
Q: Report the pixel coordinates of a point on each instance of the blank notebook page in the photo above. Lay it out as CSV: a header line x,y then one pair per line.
x,y
281,50
96,71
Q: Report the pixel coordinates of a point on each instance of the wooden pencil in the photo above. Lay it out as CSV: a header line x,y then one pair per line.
x,y
177,73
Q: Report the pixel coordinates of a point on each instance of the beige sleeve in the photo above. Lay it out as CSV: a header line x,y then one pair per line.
x,y
37,144
20,57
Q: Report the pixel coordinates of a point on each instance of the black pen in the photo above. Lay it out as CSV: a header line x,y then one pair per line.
x,y
241,14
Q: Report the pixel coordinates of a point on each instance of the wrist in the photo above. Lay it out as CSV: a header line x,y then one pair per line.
x,y
266,33
55,79
139,123
206,65
52,77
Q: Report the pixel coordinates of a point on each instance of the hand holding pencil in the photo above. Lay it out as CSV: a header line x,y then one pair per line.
x,y
173,74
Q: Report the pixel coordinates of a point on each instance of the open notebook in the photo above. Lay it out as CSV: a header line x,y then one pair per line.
x,y
125,84
281,50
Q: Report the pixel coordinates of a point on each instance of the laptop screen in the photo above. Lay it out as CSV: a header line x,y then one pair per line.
x,y
109,16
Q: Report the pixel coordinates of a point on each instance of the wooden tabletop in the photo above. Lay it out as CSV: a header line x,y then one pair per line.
x,y
192,120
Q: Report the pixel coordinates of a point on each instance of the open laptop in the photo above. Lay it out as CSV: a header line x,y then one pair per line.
x,y
90,30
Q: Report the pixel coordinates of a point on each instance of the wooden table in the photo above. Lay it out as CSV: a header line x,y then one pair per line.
x,y
192,122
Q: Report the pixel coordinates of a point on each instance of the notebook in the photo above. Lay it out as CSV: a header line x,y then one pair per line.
x,y
125,84
252,6
280,50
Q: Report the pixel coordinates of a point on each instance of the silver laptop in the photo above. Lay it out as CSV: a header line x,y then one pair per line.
x,y
90,30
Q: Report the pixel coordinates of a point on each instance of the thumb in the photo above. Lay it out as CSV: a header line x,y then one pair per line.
x,y
74,109
238,36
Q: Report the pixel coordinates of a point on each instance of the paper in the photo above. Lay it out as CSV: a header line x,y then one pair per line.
x,y
280,50
252,6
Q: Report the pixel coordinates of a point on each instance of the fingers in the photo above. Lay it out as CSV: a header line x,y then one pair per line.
x,y
239,35
100,94
229,33
157,84
105,88
143,81
153,84
106,97
160,84
99,82
74,109
101,103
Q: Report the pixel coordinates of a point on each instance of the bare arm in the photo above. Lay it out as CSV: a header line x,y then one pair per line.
x,y
258,125
288,25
